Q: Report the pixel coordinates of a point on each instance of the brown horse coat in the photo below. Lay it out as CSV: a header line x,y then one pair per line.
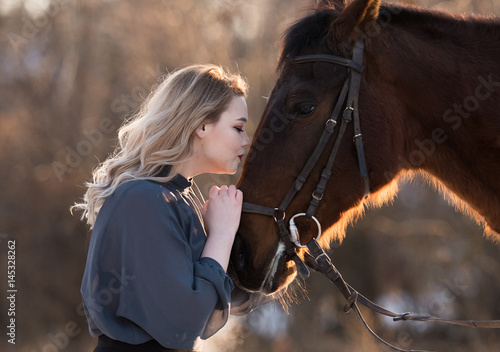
x,y
429,103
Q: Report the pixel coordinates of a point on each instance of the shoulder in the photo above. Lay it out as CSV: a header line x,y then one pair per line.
x,y
144,191
139,203
143,199
137,187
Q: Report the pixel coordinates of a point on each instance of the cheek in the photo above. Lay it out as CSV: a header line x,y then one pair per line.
x,y
230,144
222,151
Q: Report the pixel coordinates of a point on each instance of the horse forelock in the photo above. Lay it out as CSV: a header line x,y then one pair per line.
x,y
309,31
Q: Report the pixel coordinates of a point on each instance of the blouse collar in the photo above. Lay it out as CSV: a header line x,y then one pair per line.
x,y
178,180
181,181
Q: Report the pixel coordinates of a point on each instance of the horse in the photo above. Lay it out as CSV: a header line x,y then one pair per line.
x,y
427,101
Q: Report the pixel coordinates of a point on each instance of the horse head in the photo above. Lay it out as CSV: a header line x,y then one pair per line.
x,y
405,126
293,121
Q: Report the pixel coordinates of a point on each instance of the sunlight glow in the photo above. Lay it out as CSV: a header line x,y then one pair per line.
x,y
6,6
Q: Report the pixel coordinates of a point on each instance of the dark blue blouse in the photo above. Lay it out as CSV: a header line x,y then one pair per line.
x,y
144,277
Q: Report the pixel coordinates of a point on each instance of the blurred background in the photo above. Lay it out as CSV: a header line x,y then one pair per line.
x,y
72,71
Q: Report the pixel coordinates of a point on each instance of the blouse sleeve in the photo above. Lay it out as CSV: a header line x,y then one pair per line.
x,y
172,295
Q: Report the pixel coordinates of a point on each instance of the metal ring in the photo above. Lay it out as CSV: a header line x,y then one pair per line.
x,y
294,232
274,216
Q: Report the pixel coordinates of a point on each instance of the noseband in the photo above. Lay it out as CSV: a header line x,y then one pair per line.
x,y
348,100
317,259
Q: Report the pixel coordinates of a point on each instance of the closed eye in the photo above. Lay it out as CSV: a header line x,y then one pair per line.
x,y
304,110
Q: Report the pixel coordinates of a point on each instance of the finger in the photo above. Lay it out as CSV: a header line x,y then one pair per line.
x,y
239,196
214,191
223,190
231,191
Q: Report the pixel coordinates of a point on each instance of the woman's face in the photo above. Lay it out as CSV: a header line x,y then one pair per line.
x,y
224,142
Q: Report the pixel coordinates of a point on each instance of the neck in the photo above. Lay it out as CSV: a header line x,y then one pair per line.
x,y
192,167
445,83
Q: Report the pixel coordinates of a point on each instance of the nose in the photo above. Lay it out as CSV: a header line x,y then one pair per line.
x,y
246,140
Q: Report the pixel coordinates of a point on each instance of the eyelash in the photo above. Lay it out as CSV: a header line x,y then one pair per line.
x,y
239,129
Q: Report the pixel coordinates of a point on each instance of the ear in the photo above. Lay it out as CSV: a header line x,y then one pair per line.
x,y
352,21
200,131
330,5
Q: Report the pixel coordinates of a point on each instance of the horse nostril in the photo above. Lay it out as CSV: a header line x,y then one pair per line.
x,y
242,261
239,253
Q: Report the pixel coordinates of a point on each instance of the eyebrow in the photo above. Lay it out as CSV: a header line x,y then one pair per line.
x,y
244,119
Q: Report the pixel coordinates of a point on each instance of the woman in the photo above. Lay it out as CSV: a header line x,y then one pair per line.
x,y
155,277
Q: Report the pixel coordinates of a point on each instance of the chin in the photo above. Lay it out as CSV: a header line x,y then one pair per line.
x,y
231,170
225,171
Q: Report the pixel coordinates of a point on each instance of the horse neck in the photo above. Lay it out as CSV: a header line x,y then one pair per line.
x,y
443,76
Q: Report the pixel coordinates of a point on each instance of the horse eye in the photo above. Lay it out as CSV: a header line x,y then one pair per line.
x,y
305,110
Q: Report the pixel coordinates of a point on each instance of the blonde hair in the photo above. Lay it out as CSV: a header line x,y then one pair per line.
x,y
161,133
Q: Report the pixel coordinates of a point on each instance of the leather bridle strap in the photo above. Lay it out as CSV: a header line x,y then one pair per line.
x,y
352,108
279,213
323,264
318,150
318,260
311,162
317,195
348,97
354,64
351,113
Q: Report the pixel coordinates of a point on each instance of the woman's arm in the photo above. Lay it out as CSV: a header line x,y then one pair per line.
x,y
143,271
221,214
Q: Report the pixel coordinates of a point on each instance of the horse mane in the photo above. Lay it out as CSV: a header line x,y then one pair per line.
x,y
434,23
313,29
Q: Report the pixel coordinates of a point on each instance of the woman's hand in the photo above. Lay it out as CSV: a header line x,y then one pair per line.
x,y
222,210
221,214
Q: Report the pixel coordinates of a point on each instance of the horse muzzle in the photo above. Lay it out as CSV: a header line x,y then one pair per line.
x,y
268,277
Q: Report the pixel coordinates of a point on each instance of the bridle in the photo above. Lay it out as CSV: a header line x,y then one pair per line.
x,y
317,259
348,99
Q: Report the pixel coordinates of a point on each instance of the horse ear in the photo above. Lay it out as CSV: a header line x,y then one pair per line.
x,y
330,4
351,23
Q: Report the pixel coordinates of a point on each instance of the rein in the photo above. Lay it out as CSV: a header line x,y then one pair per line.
x,y
317,259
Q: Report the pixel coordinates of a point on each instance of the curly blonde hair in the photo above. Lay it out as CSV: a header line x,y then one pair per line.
x,y
162,131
